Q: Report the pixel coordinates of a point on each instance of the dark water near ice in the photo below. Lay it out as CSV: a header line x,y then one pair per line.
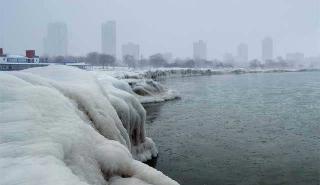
x,y
240,129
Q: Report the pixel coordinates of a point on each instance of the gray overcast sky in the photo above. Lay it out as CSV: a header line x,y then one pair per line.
x,y
166,25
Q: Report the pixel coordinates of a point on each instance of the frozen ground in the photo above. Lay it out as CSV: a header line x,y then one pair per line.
x,y
61,125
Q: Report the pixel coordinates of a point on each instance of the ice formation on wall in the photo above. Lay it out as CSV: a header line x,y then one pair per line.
x,y
164,73
151,91
61,125
145,89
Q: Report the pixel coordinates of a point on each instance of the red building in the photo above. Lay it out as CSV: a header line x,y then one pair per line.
x,y
30,53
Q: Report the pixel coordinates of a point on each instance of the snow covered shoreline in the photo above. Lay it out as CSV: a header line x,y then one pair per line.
x,y
163,73
146,90
62,125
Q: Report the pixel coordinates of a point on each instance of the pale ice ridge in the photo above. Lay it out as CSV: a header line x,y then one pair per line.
x,y
49,135
149,91
145,89
162,73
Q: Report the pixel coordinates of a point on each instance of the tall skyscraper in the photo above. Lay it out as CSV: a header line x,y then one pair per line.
x,y
108,38
131,49
242,51
56,41
267,49
200,50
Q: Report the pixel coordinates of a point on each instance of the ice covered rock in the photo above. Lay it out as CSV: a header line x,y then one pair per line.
x,y
147,90
58,125
133,116
150,91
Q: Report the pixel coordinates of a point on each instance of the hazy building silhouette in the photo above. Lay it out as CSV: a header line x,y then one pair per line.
x,y
295,57
200,50
131,49
56,41
242,53
167,56
108,38
228,58
267,49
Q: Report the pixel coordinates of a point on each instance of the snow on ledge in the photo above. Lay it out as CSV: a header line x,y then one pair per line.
x,y
62,125
145,89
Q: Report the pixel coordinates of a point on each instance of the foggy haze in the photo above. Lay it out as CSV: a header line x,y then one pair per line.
x,y
166,25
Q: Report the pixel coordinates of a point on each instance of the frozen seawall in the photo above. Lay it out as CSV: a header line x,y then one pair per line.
x,y
61,125
163,73
146,90
150,91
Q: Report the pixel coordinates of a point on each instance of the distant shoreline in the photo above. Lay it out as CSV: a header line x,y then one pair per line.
x,y
163,73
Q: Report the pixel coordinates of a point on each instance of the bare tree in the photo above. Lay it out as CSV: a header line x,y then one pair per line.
x,y
157,60
130,61
106,60
255,64
93,58
59,59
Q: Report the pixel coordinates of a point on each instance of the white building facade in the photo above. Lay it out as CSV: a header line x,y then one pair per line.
x,y
30,57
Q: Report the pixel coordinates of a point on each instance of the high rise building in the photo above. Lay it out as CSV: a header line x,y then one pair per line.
x,y
267,49
108,38
295,57
200,50
131,49
56,41
228,58
242,52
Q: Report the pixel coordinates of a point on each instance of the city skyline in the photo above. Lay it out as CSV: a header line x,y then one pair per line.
x,y
293,25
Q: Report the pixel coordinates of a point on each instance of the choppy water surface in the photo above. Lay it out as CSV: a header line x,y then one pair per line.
x,y
240,129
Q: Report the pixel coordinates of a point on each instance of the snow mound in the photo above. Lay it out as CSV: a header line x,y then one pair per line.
x,y
61,125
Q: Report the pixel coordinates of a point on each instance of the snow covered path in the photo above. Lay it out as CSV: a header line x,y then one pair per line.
x,y
61,125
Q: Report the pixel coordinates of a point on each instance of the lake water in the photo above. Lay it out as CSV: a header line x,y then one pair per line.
x,y
245,129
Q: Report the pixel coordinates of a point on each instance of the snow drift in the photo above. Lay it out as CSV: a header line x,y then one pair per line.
x,y
61,125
